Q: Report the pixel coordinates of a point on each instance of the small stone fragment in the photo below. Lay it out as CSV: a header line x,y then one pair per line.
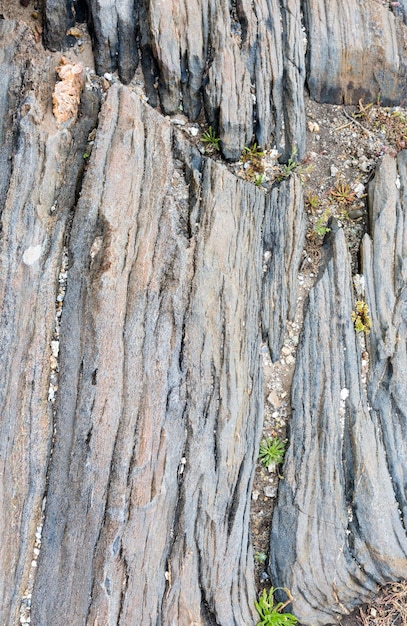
x,y
32,254
273,399
75,32
67,92
313,127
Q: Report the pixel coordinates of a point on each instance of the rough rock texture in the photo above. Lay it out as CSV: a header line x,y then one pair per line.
x,y
364,61
40,167
177,271
59,17
339,529
147,460
159,416
114,28
385,267
283,205
233,59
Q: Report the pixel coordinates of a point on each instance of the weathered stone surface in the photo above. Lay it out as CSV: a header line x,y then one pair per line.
x,y
114,31
229,58
365,61
59,17
159,415
293,106
282,256
40,167
385,268
339,529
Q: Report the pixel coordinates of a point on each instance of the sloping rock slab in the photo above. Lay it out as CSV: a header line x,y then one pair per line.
x,y
339,529
40,166
356,50
159,416
283,247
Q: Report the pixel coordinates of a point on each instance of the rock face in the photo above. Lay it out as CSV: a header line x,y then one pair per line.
x,y
365,62
232,59
339,529
40,167
137,480
143,467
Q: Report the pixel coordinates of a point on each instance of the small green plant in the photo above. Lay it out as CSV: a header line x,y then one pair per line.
x,y
293,165
270,612
321,228
86,156
361,317
271,451
312,202
342,193
258,179
251,152
260,557
288,168
209,137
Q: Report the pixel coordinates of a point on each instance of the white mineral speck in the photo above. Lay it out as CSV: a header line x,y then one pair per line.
x,y
32,254
344,393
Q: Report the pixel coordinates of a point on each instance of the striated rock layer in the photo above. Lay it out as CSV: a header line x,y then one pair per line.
x,y
147,458
242,62
339,529
40,165
356,50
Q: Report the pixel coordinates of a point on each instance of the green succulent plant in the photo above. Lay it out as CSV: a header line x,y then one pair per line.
x,y
271,451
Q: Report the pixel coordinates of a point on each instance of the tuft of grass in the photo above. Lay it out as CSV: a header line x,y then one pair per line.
x,y
210,139
312,202
294,166
321,228
252,152
271,451
270,612
258,180
254,170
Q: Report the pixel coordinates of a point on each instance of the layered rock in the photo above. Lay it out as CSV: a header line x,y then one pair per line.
x,y
160,392
232,59
356,50
40,168
282,256
339,529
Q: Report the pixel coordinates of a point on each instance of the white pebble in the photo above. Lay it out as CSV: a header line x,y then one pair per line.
x,y
32,254
344,393
55,348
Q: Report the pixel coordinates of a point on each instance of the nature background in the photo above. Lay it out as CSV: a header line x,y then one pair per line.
x,y
175,290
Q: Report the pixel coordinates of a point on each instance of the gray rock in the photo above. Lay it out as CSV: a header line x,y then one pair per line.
x,y
385,268
59,16
158,421
40,168
338,530
282,255
114,33
364,62
231,60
